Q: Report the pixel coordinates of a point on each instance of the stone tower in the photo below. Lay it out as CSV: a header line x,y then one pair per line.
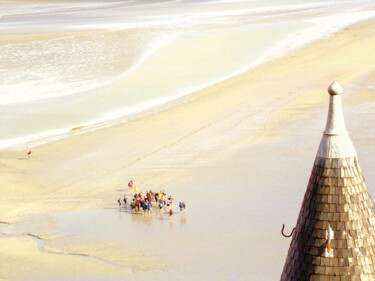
x,y
334,238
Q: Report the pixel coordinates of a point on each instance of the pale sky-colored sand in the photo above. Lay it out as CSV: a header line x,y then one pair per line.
x,y
15,38
239,153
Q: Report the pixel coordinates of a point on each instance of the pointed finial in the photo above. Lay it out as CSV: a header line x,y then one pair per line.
x,y
335,120
336,142
335,88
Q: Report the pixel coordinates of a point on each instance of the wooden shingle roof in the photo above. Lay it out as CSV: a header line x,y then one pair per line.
x,y
334,238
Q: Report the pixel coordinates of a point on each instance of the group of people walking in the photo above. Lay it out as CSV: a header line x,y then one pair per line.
x,y
140,203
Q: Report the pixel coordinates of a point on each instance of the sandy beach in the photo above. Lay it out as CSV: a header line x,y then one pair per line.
x,y
238,152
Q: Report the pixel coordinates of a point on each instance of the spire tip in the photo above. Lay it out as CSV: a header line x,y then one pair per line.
x,y
335,88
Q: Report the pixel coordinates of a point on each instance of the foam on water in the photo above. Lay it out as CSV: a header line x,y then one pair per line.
x,y
193,18
68,70
43,69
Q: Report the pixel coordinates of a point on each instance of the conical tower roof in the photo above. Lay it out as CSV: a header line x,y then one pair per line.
x,y
334,238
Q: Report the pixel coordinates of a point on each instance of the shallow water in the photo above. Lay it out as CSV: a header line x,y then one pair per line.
x,y
160,49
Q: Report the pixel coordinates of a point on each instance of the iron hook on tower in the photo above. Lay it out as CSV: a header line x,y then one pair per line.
x,y
287,236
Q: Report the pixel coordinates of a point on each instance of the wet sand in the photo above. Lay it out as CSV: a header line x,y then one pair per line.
x,y
239,153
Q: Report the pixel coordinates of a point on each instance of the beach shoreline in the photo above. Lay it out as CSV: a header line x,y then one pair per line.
x,y
184,145
218,91
108,117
